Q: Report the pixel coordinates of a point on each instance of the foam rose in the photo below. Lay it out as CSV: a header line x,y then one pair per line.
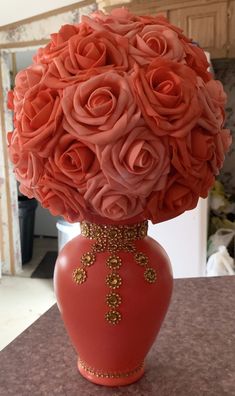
x,y
39,122
26,80
213,99
191,153
59,43
154,41
75,160
92,51
101,109
171,202
120,21
111,203
167,95
29,168
196,59
159,19
97,50
136,164
223,141
60,199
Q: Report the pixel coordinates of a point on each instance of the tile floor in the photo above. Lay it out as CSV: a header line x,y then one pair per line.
x,y
23,299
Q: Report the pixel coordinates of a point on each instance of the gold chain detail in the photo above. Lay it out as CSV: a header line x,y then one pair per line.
x,y
104,374
113,239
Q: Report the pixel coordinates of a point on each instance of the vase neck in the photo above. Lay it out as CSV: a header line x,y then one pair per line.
x,y
115,232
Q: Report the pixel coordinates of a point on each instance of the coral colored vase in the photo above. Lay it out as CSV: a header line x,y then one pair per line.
x,y
113,285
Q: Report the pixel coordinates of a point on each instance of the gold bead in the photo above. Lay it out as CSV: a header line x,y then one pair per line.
x,y
99,246
141,259
114,233
114,262
96,231
113,246
143,230
113,300
128,247
88,259
130,233
79,275
85,231
113,317
150,275
114,281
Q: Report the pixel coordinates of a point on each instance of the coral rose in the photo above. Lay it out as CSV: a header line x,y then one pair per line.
x,y
29,168
59,43
25,80
171,202
60,199
111,203
28,192
101,109
120,21
160,20
96,50
213,99
189,154
223,141
167,95
137,163
154,41
76,160
39,123
92,51
196,59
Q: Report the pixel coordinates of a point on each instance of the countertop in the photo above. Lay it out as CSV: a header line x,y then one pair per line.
x,y
193,355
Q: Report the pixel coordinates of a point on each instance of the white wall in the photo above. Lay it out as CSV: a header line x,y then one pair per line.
x,y
185,240
15,10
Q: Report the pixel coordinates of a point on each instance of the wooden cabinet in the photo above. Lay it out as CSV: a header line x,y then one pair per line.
x,y
206,24
231,29
209,22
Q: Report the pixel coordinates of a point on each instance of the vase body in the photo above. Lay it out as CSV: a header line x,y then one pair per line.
x,y
113,286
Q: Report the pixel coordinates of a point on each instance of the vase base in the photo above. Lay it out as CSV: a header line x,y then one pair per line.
x,y
110,379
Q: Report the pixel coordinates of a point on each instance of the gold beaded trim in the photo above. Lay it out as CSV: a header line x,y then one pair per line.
x,y
114,233
113,239
103,374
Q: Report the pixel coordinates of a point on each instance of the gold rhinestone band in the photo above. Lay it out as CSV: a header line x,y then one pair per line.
x,y
103,374
114,233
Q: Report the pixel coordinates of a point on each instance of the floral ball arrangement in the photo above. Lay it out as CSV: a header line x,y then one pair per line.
x,y
118,118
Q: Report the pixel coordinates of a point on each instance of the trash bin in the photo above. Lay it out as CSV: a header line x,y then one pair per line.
x,y
27,209
66,232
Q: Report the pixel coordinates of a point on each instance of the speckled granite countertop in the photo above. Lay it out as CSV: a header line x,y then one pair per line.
x,y
193,355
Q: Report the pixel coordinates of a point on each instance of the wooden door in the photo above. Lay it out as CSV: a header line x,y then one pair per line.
x,y
206,24
231,29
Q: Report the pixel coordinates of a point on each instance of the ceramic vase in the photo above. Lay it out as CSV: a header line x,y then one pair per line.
x,y
113,285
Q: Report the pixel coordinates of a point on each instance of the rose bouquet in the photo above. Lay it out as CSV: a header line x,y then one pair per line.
x,y
118,118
